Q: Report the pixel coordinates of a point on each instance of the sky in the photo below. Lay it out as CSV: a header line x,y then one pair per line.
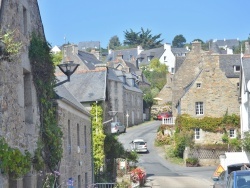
x,y
77,21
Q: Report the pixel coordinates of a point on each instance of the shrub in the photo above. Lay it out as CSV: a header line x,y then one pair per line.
x,y
182,140
192,161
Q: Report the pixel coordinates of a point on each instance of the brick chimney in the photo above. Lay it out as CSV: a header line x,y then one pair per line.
x,y
247,49
196,46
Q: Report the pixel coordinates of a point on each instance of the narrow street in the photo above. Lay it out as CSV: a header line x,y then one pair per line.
x,y
160,172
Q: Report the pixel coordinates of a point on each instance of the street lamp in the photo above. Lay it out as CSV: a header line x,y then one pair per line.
x,y
68,68
127,118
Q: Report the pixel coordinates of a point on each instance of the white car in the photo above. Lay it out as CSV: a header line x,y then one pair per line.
x,y
117,127
139,145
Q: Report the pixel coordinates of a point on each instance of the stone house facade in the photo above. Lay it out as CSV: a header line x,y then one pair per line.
x,y
206,84
76,164
107,84
19,109
19,113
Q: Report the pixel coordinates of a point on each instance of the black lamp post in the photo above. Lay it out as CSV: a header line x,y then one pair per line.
x,y
68,68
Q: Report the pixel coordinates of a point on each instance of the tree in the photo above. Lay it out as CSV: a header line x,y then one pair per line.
x,y
155,73
98,137
178,41
57,58
114,42
143,38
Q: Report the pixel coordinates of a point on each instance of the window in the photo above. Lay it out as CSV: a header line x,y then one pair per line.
x,y
24,21
172,70
86,180
116,87
198,85
85,138
69,137
28,109
79,181
78,135
165,58
199,108
238,85
150,58
197,134
232,133
236,68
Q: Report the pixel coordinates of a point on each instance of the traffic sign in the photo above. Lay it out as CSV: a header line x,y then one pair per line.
x,y
218,171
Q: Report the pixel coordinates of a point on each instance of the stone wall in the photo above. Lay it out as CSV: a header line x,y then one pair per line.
x,y
216,91
186,74
19,113
77,155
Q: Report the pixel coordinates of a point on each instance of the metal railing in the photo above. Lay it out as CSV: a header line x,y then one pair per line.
x,y
168,121
102,185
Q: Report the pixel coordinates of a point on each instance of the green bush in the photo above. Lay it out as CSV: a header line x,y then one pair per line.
x,y
192,161
182,139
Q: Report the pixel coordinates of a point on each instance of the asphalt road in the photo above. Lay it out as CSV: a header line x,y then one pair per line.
x,y
160,172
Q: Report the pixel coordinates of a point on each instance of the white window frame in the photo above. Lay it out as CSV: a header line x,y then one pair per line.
x,y
232,133
199,108
236,68
197,133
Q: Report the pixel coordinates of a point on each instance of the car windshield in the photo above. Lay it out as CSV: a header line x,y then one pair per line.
x,y
140,143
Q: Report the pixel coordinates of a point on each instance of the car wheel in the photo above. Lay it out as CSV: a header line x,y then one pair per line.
x,y
124,130
118,132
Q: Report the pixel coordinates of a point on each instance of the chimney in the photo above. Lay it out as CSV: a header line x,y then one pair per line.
x,y
196,46
247,49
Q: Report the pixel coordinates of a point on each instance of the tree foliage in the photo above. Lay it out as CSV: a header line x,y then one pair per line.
x,y
179,41
143,38
57,58
114,42
155,73
98,137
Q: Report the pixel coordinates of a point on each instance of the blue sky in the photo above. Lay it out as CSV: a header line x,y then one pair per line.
x,y
98,20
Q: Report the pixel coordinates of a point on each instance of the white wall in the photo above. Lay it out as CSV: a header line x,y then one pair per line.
x,y
170,58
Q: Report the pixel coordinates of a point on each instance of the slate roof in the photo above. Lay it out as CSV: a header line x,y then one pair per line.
x,y
154,53
179,51
230,43
112,75
178,62
128,54
227,63
88,44
214,48
87,86
88,59
63,94
246,68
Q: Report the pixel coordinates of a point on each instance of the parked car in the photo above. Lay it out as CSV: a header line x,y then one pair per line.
x,y
164,115
239,179
221,180
139,145
117,127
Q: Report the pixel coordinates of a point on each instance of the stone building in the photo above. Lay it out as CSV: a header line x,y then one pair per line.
x,y
108,84
19,109
19,113
76,164
206,84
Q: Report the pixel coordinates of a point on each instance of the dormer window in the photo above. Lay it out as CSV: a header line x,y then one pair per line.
x,y
236,68
150,58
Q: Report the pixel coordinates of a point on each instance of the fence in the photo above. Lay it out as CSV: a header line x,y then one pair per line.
x,y
206,157
168,121
102,185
